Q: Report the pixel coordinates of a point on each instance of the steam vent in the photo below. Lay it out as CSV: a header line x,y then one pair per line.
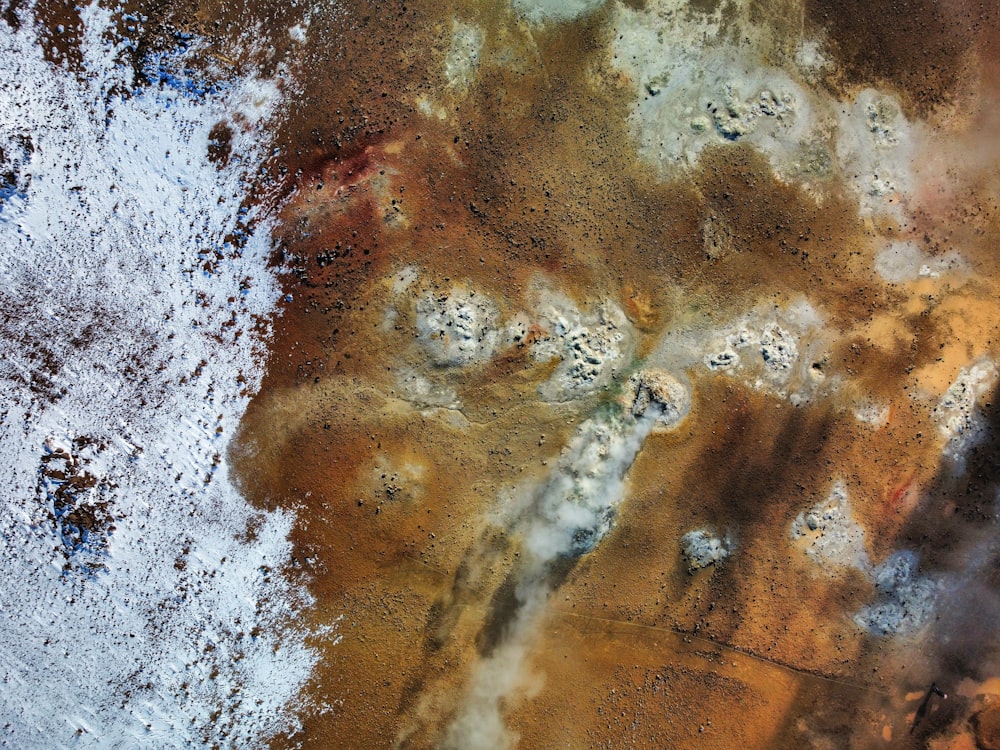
x,y
494,374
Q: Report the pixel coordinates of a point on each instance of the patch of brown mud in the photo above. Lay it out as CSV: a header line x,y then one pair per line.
x,y
642,686
60,28
781,239
917,47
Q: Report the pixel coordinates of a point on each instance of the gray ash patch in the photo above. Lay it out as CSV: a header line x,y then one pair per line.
x,y
722,360
778,349
735,117
589,348
458,327
959,415
829,532
666,395
905,599
702,548
774,348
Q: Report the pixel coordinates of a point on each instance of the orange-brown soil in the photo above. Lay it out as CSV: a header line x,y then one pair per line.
x,y
532,174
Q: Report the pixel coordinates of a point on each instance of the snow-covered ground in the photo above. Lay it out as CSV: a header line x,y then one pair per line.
x,y
143,602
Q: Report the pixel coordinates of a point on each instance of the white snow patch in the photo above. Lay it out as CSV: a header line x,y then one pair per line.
x,y
144,606
297,33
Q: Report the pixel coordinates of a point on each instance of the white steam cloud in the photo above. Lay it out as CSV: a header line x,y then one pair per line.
x,y
566,517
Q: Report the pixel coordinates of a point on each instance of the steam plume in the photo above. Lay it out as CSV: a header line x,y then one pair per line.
x,y
566,517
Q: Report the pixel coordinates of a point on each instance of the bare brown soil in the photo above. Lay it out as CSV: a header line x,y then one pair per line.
x,y
534,172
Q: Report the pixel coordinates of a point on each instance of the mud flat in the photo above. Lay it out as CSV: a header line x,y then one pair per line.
x,y
635,381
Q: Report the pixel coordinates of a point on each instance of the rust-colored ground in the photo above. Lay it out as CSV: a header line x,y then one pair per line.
x,y
533,172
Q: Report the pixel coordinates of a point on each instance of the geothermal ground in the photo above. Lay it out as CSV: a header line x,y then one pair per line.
x,y
632,377
508,225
